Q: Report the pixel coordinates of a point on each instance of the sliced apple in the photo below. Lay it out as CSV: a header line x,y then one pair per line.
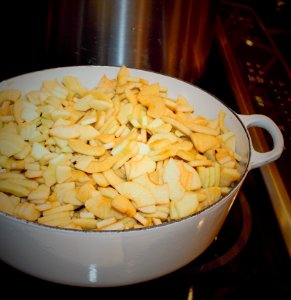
x,y
74,84
171,176
156,107
112,177
124,113
27,211
88,224
38,151
6,205
63,173
108,192
29,111
69,196
100,179
184,207
85,192
9,94
163,136
41,192
96,166
101,207
83,162
49,175
193,179
204,175
17,111
136,192
138,167
9,187
66,132
204,142
228,176
209,196
82,147
88,132
178,125
11,143
160,191
100,104
123,205
122,75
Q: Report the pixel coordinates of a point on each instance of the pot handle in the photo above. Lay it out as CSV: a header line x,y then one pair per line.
x,y
262,158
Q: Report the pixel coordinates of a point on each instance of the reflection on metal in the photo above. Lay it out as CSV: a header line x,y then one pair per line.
x,y
249,43
190,293
168,36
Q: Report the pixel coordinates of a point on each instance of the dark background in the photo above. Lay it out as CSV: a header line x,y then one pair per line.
x,y
27,36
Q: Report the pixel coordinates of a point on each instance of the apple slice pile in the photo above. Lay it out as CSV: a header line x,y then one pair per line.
x,y
119,156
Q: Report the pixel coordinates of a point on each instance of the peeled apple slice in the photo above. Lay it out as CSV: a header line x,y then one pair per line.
x,y
10,143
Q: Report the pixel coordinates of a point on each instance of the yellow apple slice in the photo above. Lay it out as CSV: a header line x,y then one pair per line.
x,y
160,191
228,176
6,205
101,207
66,132
136,192
9,94
204,142
82,147
171,176
112,177
10,143
123,205
101,165
63,173
137,167
27,211
194,181
184,207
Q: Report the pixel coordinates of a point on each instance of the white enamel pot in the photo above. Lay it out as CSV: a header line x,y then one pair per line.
x,y
116,258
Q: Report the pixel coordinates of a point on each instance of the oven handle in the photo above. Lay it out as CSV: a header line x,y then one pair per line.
x,y
258,159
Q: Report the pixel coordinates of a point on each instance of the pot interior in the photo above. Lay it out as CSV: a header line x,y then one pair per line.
x,y
204,103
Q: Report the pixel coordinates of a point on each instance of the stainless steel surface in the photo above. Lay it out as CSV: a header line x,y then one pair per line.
x,y
168,36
